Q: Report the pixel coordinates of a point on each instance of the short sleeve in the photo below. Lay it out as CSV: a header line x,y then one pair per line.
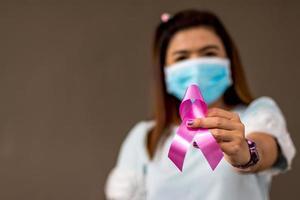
x,y
124,179
264,115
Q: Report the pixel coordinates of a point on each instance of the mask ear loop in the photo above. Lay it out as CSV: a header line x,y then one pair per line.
x,y
165,17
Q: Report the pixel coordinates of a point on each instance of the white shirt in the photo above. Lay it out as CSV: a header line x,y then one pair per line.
x,y
135,177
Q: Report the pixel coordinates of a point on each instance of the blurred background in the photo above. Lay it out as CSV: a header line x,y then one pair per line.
x,y
75,77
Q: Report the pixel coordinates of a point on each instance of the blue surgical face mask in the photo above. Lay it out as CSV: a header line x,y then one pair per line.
x,y
212,75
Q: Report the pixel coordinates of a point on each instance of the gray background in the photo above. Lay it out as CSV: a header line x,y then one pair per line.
x,y
75,77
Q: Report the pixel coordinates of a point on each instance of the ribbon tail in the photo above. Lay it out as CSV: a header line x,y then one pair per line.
x,y
178,151
210,148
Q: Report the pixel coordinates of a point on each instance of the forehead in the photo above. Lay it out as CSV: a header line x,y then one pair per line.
x,y
194,38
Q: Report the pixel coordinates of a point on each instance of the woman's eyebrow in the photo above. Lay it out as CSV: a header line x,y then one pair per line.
x,y
208,47
185,51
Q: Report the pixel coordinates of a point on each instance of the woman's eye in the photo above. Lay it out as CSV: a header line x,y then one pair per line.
x,y
180,58
210,54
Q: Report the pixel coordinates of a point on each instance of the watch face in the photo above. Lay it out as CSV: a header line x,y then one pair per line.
x,y
255,156
253,152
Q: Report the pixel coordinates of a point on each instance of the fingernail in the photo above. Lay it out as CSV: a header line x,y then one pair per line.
x,y
189,122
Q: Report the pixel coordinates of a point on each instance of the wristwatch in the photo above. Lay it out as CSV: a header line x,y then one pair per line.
x,y
254,157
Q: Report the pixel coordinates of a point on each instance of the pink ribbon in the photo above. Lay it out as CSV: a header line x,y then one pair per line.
x,y
191,107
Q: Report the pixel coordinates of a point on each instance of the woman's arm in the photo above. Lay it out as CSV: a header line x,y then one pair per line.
x,y
229,132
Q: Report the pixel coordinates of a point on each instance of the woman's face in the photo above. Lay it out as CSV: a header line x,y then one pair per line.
x,y
194,43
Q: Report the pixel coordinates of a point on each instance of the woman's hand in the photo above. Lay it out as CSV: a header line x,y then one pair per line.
x,y
228,131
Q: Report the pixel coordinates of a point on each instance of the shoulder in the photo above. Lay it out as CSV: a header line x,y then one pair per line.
x,y
139,131
133,146
264,115
263,108
263,103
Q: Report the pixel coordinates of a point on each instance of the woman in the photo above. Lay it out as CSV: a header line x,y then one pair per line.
x,y
194,47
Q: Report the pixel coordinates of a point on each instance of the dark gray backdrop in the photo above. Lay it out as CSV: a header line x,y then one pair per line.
x,y
74,78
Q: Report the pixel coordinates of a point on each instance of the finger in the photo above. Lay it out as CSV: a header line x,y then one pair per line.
x,y
222,135
212,122
217,112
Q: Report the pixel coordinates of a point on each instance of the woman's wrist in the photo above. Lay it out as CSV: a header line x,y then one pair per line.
x,y
252,154
242,156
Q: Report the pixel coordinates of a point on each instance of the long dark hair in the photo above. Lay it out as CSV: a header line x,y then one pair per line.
x,y
166,106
